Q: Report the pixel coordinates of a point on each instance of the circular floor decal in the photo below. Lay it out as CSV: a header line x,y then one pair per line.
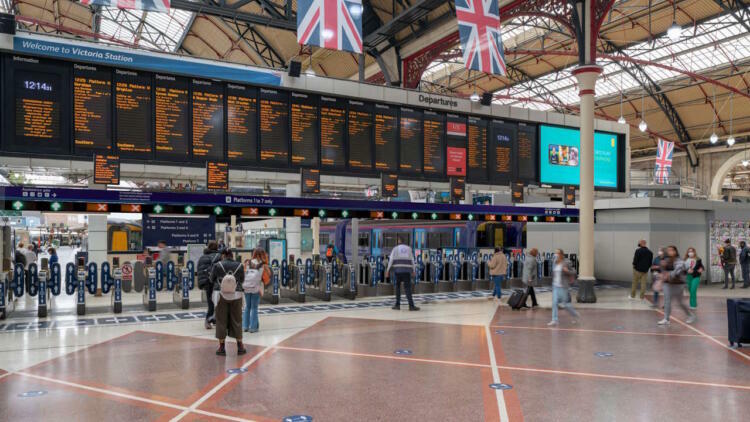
x,y
501,332
501,386
35,393
236,370
298,418
406,352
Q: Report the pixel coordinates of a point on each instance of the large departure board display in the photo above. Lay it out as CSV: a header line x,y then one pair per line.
x,y
525,154
171,117
503,136
92,109
242,126
274,127
410,141
386,138
39,106
455,155
332,133
304,130
433,144
360,136
208,120
133,113
476,149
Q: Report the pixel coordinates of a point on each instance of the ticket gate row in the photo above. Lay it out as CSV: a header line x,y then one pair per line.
x,y
320,280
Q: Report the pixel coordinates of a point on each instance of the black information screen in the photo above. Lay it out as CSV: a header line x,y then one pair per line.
x,y
133,113
434,140
526,153
106,169
476,156
171,117
242,126
40,107
274,127
386,136
410,141
310,180
332,131
360,136
208,120
92,109
304,130
388,185
502,139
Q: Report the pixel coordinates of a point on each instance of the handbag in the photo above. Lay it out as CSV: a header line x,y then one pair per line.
x,y
266,278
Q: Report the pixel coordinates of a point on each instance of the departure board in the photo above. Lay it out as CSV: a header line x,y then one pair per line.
x,y
526,153
208,120
171,117
501,151
217,176
360,136
309,181
274,127
304,130
106,169
388,185
477,149
410,141
433,148
92,109
455,155
242,126
133,113
386,138
332,131
40,93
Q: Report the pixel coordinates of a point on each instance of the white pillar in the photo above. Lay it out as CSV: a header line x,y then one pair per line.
x,y
315,227
586,75
97,244
293,225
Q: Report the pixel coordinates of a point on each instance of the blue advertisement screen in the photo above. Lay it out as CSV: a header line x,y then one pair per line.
x,y
559,151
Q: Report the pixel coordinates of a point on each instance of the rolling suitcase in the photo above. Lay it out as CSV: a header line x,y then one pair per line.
x,y
517,299
738,319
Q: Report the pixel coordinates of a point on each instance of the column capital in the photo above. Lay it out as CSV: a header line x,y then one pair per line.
x,y
587,76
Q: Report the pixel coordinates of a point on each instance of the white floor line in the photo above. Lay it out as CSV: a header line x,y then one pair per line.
x,y
496,378
4,375
194,407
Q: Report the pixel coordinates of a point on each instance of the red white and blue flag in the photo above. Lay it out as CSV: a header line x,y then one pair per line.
x,y
152,5
479,31
332,24
663,161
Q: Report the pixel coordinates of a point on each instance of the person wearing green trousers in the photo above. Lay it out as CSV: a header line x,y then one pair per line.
x,y
695,269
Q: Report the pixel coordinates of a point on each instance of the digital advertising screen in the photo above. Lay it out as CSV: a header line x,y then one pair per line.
x,y
242,126
171,117
133,113
360,136
559,156
456,145
208,120
92,109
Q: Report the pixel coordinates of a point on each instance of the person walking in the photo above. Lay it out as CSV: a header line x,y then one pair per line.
x,y
53,258
694,271
253,288
498,269
642,260
728,261
206,262
530,276
745,264
402,263
674,273
226,274
656,279
562,274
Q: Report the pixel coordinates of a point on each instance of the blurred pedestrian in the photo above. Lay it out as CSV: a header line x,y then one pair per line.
x,y
694,271
674,273
563,274
206,262
498,270
745,264
530,276
656,279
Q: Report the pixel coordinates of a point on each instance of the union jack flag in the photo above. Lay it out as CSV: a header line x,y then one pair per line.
x,y
333,24
663,161
479,30
154,5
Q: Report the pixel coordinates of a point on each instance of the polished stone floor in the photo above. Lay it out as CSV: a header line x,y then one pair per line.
x,y
439,364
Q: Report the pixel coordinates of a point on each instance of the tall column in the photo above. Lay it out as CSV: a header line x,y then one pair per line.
x,y
315,227
293,225
586,75
97,243
355,247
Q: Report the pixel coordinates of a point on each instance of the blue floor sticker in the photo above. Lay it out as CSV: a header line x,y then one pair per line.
x,y
501,332
604,354
298,418
501,386
236,371
405,352
34,393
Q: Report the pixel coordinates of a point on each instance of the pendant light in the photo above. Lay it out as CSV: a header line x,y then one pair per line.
x,y
675,31
621,120
731,140
642,125
474,97
714,137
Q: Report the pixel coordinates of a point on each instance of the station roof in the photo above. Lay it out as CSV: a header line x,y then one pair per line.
x,y
698,81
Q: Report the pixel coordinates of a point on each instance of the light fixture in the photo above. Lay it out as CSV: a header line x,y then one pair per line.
x,y
714,138
642,126
745,163
310,72
674,30
621,120
474,97
730,141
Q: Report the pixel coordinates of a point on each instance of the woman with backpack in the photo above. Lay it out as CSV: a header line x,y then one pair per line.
x,y
562,275
228,276
253,288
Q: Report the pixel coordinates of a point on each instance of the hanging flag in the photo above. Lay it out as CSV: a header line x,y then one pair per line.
x,y
479,31
152,5
664,152
333,24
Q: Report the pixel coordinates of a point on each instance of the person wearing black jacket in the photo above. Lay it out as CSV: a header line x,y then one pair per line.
x,y
228,310
745,264
206,262
642,261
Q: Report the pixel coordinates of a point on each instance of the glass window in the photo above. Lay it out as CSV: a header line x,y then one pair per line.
x,y
364,240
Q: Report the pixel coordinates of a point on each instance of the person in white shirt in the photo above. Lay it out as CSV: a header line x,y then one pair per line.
x,y
562,274
402,264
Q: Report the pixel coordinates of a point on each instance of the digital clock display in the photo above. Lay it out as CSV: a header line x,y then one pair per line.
x,y
38,85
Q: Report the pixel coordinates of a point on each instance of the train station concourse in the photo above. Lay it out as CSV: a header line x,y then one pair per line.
x,y
356,210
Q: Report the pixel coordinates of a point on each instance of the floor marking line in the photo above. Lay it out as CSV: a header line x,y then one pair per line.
x,y
496,378
194,407
585,330
369,355
4,375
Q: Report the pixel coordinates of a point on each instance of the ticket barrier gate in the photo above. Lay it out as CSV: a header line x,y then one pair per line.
x,y
42,284
377,283
112,281
346,284
271,291
319,279
6,296
293,285
464,281
448,282
155,283
432,275
483,277
184,284
77,281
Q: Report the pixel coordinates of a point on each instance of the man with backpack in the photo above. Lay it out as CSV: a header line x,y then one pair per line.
x,y
227,277
206,262
728,261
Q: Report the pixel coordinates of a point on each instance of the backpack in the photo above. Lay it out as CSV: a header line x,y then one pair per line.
x,y
228,284
252,281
